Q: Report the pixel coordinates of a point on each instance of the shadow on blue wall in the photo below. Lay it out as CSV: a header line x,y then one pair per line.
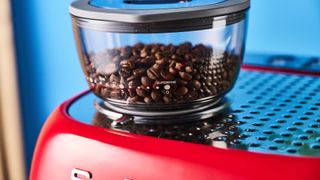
x,y
48,66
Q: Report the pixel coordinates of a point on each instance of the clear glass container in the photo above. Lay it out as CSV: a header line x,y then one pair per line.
x,y
161,65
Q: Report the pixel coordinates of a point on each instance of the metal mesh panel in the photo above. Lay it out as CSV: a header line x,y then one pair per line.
x,y
270,113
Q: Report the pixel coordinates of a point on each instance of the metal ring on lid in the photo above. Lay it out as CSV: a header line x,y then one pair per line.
x,y
158,27
186,17
84,9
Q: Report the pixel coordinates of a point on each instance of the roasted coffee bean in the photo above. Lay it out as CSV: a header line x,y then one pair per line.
x,y
146,81
185,76
133,77
181,82
153,74
179,66
196,84
123,82
167,75
173,71
141,92
138,46
181,91
154,49
187,57
125,52
105,92
147,100
156,96
158,73
144,52
139,72
172,63
192,95
127,64
133,84
115,94
161,61
189,69
114,78
124,72
158,55
166,99
132,92
157,66
133,99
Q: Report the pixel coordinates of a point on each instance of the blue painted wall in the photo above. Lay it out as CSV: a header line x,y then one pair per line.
x,y
49,71
283,26
48,66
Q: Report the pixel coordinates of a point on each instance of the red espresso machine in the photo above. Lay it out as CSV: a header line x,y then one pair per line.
x,y
163,102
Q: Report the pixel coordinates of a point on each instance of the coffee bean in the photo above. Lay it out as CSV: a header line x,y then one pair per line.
x,y
147,100
179,66
140,73
156,85
187,57
181,82
133,99
125,51
114,78
185,76
158,55
167,75
196,84
189,69
156,96
127,64
166,99
173,71
153,74
144,52
161,61
138,46
181,91
115,94
133,77
141,92
124,72
133,84
192,95
146,81
157,67
154,49
132,91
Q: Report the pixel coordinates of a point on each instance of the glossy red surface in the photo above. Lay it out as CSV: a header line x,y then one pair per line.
x,y
65,144
279,70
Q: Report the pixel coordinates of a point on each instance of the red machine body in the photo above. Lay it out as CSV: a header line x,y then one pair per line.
x,y
66,144
69,149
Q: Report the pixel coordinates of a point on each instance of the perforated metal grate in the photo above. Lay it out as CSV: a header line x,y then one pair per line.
x,y
279,113
270,113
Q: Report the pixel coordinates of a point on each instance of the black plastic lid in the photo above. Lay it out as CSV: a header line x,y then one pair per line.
x,y
154,15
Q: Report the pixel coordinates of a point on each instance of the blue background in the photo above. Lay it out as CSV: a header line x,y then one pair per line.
x,y
48,67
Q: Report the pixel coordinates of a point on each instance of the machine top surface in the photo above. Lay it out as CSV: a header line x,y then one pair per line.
x,y
269,113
